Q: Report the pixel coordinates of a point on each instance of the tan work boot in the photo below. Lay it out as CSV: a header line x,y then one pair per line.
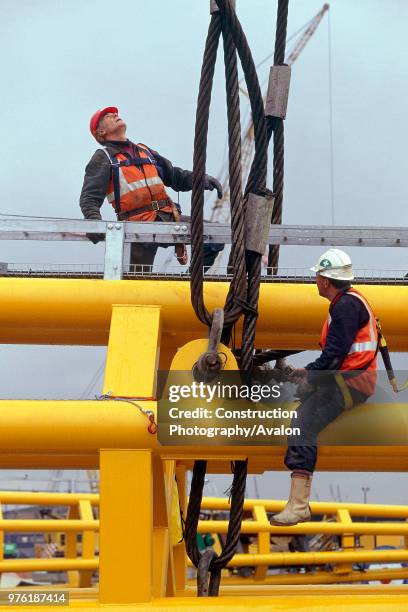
x,y
297,510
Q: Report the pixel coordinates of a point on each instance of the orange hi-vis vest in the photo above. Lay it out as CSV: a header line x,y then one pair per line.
x,y
136,183
363,352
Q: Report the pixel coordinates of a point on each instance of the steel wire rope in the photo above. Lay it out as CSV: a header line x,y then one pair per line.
x,y
200,144
219,204
276,126
217,563
237,256
242,262
257,179
256,183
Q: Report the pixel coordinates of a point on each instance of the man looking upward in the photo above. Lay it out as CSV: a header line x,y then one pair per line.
x,y
134,178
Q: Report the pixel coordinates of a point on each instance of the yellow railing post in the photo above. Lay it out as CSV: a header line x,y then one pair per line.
x,y
88,542
126,527
126,476
264,539
71,546
348,542
179,552
163,568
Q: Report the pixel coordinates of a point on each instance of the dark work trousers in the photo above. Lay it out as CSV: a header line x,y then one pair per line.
x,y
143,253
315,412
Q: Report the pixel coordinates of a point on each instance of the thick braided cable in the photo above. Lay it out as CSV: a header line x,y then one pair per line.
x,y
278,133
193,511
232,310
257,177
256,184
254,266
236,513
238,282
257,180
234,525
200,155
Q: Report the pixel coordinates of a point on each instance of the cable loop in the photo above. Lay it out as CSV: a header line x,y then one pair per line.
x,y
243,294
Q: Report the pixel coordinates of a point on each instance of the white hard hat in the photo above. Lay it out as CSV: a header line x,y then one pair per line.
x,y
335,264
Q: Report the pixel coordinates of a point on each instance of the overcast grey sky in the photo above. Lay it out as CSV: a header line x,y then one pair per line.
x,y
64,59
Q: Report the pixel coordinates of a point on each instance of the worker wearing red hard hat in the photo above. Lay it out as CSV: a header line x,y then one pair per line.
x,y
134,178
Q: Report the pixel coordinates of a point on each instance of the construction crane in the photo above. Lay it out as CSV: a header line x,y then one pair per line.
x,y
220,211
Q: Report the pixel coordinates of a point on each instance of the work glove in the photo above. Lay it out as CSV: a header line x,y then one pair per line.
x,y
211,183
95,238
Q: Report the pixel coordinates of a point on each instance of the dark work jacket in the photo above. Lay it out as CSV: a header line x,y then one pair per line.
x,y
98,174
348,315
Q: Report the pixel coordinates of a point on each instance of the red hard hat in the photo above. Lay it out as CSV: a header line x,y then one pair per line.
x,y
96,117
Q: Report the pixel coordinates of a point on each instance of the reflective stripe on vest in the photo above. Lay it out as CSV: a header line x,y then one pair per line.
x,y
126,187
371,345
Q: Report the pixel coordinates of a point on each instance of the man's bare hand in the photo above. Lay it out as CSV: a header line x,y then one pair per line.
x,y
298,376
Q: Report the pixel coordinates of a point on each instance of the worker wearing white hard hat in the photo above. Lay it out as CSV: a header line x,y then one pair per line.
x,y
335,264
342,376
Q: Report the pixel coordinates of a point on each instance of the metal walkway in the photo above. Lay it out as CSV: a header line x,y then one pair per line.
x,y
120,235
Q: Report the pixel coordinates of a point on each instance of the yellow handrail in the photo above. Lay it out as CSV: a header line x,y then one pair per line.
x,y
273,505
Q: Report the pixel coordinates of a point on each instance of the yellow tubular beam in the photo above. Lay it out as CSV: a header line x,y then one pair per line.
x,y
290,315
81,428
308,528
46,526
48,499
47,565
320,558
271,505
321,578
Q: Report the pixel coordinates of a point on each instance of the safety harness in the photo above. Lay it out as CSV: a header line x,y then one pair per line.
x,y
132,161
